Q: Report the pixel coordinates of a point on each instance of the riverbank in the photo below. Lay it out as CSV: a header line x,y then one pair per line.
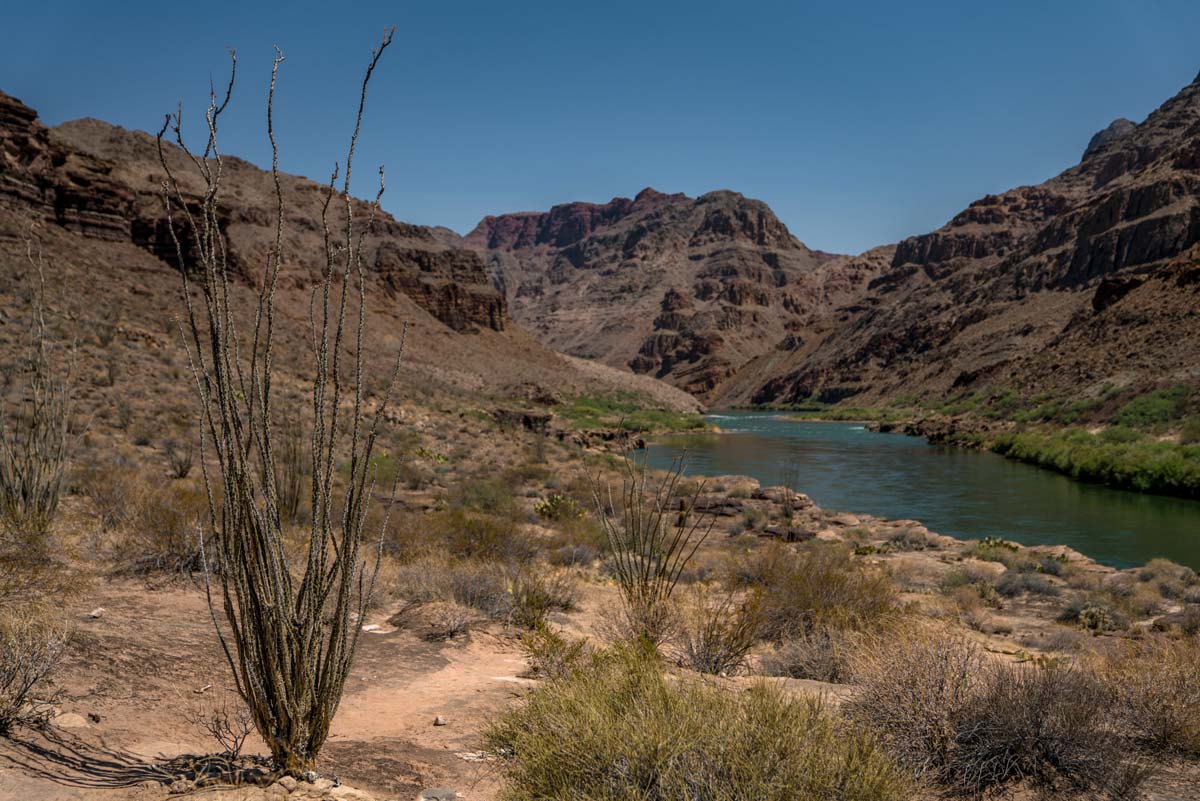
x,y
1115,456
966,492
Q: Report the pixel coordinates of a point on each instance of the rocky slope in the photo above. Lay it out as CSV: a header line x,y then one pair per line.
x,y
88,193
685,289
1089,279
1084,282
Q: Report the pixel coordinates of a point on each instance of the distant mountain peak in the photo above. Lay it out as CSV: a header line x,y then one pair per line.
x,y
1116,129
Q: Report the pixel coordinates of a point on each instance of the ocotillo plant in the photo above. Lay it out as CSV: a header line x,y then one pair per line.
x,y
289,631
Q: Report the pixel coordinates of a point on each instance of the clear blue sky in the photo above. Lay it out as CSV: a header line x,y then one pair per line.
x,y
859,123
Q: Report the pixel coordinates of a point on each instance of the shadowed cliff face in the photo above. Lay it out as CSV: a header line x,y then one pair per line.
x,y
685,289
101,181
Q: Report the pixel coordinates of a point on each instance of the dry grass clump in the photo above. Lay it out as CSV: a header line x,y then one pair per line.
x,y
31,645
821,585
615,728
521,595
718,629
163,531
1156,683
461,533
821,655
1016,581
978,726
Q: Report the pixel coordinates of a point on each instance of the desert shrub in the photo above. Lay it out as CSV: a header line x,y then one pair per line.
x,y
557,507
181,457
30,648
1012,583
908,540
446,621
1156,683
1094,613
484,536
820,655
35,430
821,585
163,532
538,592
113,489
461,533
653,530
550,654
521,595
1054,566
493,495
978,726
717,630
224,718
616,728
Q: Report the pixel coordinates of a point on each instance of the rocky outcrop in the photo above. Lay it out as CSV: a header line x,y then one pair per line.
x,y
683,289
101,181
1000,295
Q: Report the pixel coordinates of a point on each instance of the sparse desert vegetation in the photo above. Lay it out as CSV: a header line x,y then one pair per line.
x,y
290,509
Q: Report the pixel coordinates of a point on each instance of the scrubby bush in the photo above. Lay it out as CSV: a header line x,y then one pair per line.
x,y
1093,613
558,507
1020,582
30,648
616,728
550,654
1156,683
493,495
819,585
718,629
163,531
978,726
820,655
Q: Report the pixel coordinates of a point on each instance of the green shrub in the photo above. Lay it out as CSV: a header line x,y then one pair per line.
x,y
1143,463
820,585
558,507
551,655
615,729
1155,408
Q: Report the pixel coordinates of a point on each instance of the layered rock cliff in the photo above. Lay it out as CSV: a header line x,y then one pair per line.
x,y
102,181
685,289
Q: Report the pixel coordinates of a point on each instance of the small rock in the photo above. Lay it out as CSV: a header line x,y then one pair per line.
x,y
288,783
323,785
97,612
437,794
69,720
181,786
311,776
344,793
372,627
439,721
93,717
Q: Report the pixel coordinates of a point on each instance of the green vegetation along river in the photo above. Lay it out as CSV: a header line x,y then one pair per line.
x,y
956,491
